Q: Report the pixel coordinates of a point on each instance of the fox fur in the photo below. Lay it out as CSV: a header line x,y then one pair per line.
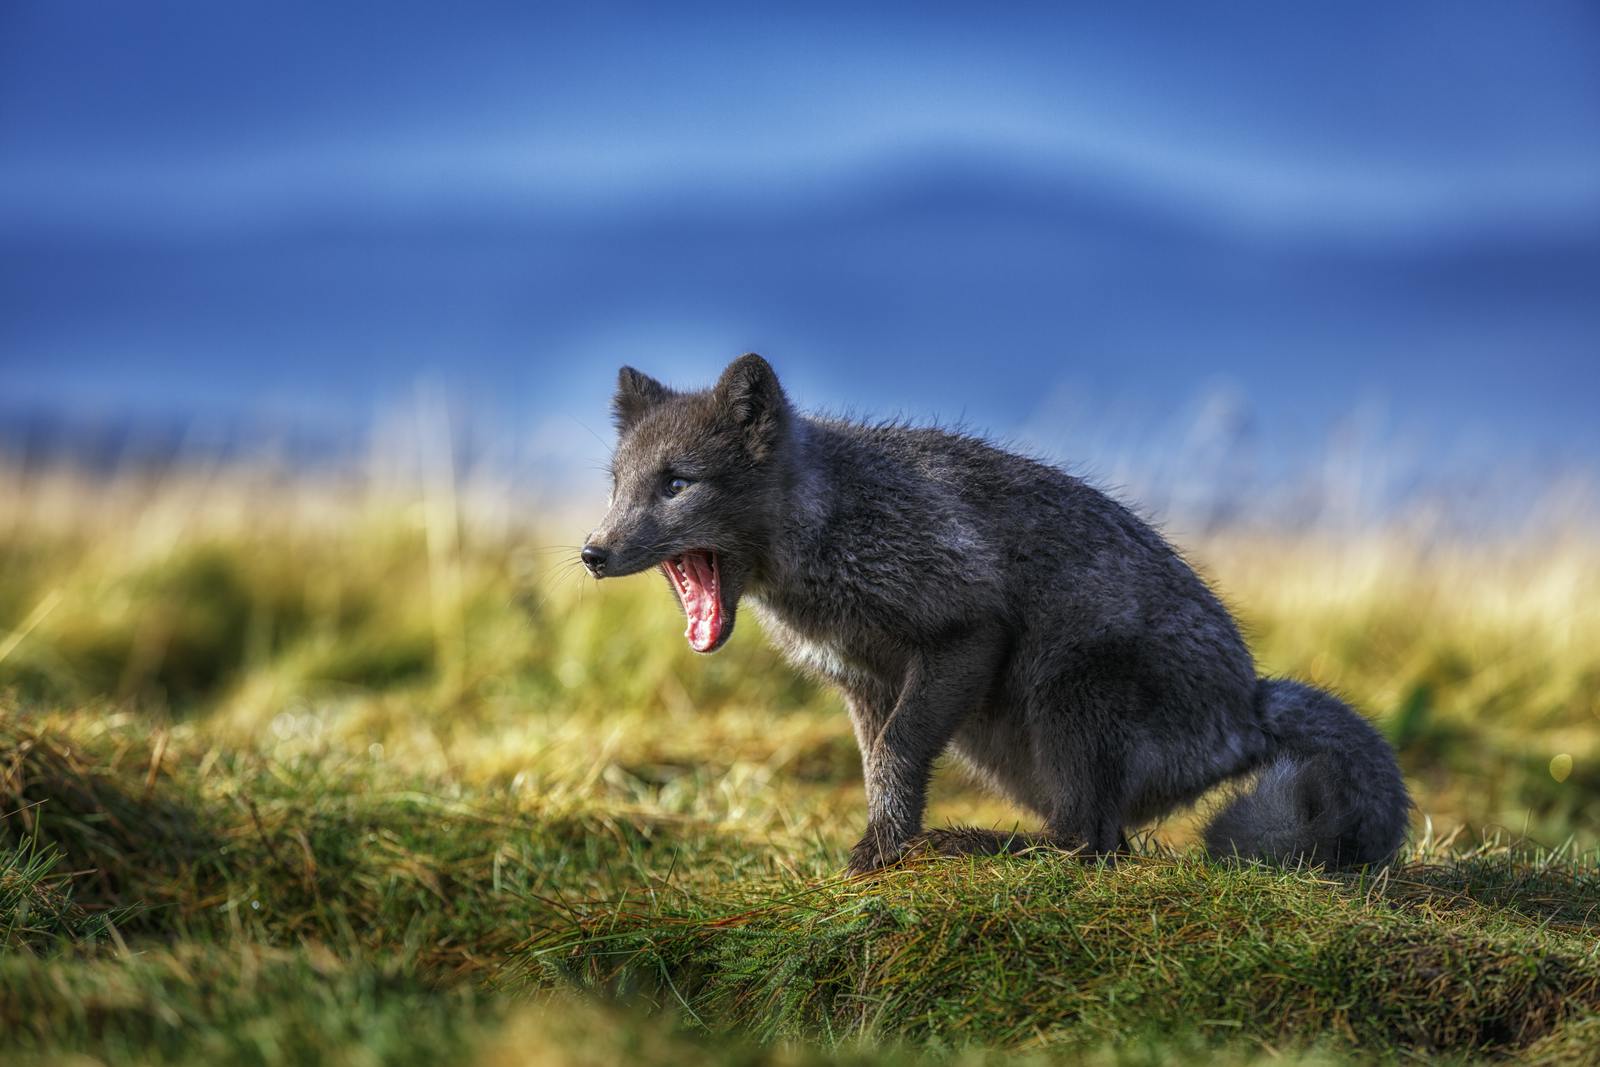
x,y
967,599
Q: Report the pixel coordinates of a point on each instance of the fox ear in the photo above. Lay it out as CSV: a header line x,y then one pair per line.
x,y
637,393
753,399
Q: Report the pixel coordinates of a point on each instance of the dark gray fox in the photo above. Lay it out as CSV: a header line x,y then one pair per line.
x,y
963,597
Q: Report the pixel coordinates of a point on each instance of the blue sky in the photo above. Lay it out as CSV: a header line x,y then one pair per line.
x,y
298,211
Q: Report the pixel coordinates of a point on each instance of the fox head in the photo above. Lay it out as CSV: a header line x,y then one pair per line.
x,y
697,480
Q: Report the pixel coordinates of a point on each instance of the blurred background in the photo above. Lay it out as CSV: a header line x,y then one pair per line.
x,y
310,314
1190,251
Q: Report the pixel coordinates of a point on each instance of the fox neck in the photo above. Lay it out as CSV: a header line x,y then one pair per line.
x,y
800,513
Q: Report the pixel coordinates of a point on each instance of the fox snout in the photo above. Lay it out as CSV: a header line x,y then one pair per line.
x,y
621,547
595,557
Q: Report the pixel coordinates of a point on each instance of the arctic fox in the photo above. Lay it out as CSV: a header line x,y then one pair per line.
x,y
962,597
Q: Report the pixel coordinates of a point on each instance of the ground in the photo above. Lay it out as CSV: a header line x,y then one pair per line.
x,y
300,770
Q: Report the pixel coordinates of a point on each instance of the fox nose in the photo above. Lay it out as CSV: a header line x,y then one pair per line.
x,y
594,557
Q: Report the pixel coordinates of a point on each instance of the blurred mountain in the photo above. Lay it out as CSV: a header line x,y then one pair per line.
x,y
943,284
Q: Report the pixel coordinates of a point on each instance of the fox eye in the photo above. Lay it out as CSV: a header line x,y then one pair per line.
x,y
677,485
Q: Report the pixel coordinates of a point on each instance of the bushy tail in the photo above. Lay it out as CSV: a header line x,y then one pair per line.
x,y
1330,791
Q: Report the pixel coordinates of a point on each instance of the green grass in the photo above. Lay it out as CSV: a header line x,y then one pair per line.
x,y
293,774
1055,951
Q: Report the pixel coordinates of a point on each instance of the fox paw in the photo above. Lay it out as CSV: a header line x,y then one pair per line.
x,y
875,853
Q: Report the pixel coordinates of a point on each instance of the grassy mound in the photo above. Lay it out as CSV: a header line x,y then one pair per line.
x,y
339,908
1046,949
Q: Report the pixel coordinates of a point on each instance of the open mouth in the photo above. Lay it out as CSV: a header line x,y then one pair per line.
x,y
698,580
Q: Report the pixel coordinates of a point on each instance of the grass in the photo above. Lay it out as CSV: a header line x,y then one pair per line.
x,y
326,772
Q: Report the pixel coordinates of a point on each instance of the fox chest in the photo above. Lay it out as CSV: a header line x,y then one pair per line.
x,y
830,656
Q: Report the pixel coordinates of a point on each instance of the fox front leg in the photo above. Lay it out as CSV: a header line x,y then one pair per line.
x,y
900,741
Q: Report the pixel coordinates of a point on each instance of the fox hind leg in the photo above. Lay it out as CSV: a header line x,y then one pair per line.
x,y
1080,774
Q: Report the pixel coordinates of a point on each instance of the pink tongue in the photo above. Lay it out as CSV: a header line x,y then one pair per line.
x,y
703,604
